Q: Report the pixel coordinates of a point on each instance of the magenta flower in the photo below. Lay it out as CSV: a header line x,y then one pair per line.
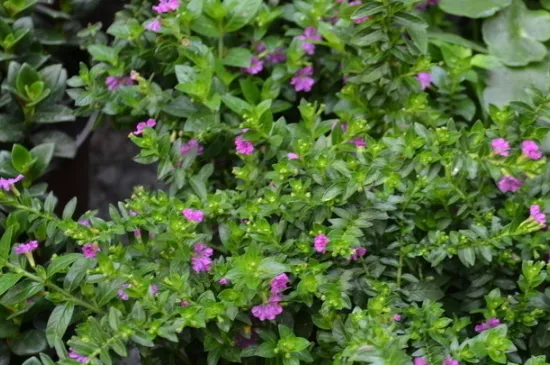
x,y
277,56
224,281
509,184
396,317
24,248
420,361
279,283
488,324
184,303
122,292
292,156
166,6
256,66
425,80
201,261
531,150
310,34
191,145
7,184
244,342
269,310
154,26
359,142
154,290
193,215
243,146
500,147
450,361
320,243
149,123
357,253
90,250
536,214
260,47
116,82
133,213
85,223
76,356
137,233
302,80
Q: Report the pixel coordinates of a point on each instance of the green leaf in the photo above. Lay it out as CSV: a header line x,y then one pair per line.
x,y
11,130
32,361
7,281
206,27
238,57
103,53
545,4
54,114
59,322
69,209
473,8
30,343
424,290
26,76
20,292
5,243
65,146
467,256
21,158
76,273
42,155
515,35
241,12
60,263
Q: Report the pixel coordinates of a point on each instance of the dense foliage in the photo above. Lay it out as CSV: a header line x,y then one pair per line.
x,y
348,183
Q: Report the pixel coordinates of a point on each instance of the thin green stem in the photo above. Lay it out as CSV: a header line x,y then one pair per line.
x,y
400,270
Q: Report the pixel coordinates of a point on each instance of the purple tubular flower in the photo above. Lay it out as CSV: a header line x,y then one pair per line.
x,y
149,123
277,56
224,281
320,243
154,290
536,214
292,156
260,47
450,361
396,317
85,223
90,250
243,146
310,34
122,293
244,342
425,80
191,145
279,283
359,142
500,147
509,184
531,150
166,6
7,184
193,215
24,248
302,80
357,253
420,361
154,26
184,303
256,66
116,82
269,310
76,356
201,261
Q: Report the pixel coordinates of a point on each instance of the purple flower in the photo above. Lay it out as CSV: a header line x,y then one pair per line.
x,y
292,156
310,34
425,80
279,283
191,145
76,356
302,80
420,361
154,290
243,146
201,261
193,215
536,214
509,183
84,222
224,281
531,149
277,56
115,82
396,317
149,123
357,253
359,142
166,6
137,233
269,310
256,66
7,184
260,47
90,250
24,248
122,292
133,213
500,147
320,243
184,303
154,26
244,342
450,361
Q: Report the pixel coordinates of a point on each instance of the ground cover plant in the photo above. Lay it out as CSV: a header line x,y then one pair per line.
x,y
348,182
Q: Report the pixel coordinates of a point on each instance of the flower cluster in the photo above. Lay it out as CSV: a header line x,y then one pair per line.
x,y
201,260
